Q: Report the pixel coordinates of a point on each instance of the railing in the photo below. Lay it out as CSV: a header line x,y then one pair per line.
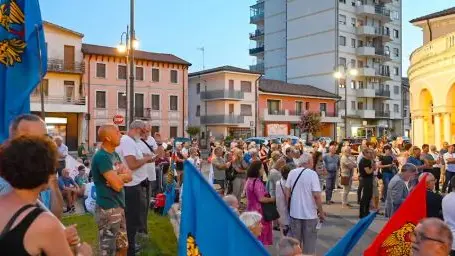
x,y
382,113
433,48
382,72
280,112
222,119
58,100
259,67
382,52
257,33
59,65
257,15
257,50
321,113
222,94
382,10
382,93
381,31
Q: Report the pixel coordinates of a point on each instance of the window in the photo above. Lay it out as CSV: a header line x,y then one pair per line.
x,y
396,71
360,64
396,52
353,105
121,100
353,22
395,15
352,84
360,43
343,62
155,75
395,108
342,1
342,83
100,70
396,33
298,107
174,79
37,91
273,106
121,72
361,85
173,103
69,90
396,89
323,107
342,41
198,110
100,99
140,73
353,42
246,110
307,106
387,108
156,102
342,19
173,131
155,129
352,63
405,113
231,109
360,105
198,88
245,86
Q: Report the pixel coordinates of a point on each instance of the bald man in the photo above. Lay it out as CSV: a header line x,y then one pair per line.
x,y
109,176
434,200
432,237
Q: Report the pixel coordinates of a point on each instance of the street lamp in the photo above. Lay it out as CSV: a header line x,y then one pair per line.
x,y
342,72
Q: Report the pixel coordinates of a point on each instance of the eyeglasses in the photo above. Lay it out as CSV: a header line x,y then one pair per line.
x,y
418,237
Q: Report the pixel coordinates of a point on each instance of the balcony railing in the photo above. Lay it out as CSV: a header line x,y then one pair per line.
x,y
382,52
322,113
222,119
382,113
142,113
275,112
382,72
256,50
59,65
58,100
382,93
222,94
381,10
257,33
259,67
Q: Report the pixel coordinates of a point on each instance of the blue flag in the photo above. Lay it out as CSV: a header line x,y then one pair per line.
x,y
169,192
348,241
21,68
208,226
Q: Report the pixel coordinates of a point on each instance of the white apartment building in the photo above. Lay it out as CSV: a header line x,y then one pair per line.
x,y
222,101
64,94
306,42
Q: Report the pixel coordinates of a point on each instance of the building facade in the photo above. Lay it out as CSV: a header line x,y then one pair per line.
x,y
406,107
222,101
160,90
64,93
281,105
431,79
342,35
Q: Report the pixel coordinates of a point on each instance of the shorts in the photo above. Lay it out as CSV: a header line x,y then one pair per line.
x,y
111,230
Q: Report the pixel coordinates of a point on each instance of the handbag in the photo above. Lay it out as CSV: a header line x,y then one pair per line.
x,y
345,180
269,211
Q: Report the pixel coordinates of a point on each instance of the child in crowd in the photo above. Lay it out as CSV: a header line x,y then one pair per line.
x,y
81,179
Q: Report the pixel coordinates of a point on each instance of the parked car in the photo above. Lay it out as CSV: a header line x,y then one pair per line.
x,y
281,138
326,139
257,140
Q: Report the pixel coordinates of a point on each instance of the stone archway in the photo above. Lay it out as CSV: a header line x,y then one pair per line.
x,y
426,110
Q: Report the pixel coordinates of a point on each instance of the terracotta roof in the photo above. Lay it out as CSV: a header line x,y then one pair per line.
x,y
280,87
63,28
223,69
139,55
435,15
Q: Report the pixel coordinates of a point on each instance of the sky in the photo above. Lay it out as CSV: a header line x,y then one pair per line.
x,y
180,27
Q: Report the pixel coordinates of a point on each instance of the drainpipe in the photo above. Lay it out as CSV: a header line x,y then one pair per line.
x,y
256,119
88,99
183,100
429,29
337,81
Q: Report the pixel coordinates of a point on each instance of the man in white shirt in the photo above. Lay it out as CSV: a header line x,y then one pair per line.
x,y
62,154
135,191
448,211
449,159
304,191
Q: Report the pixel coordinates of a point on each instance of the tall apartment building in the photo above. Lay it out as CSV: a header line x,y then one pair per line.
x,y
305,42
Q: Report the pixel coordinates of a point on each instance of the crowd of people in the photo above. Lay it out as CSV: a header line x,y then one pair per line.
x,y
271,186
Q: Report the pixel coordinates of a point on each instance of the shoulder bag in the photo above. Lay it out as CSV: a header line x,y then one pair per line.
x,y
269,210
292,190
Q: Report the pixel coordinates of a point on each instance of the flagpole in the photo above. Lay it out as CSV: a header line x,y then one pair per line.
x,y
41,85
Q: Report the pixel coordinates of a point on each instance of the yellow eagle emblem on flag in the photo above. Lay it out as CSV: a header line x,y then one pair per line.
x,y
12,19
191,247
399,242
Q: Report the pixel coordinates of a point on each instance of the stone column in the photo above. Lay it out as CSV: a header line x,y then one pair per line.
x,y
447,128
418,131
437,130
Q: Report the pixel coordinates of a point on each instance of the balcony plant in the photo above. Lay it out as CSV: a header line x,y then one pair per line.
x,y
310,123
193,131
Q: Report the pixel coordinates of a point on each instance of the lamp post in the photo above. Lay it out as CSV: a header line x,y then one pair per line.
x,y
342,72
123,48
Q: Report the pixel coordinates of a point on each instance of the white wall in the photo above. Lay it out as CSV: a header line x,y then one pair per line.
x,y
56,40
275,39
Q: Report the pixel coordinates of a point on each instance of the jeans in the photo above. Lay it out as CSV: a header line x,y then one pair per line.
x,y
386,177
134,197
330,185
437,175
449,176
367,184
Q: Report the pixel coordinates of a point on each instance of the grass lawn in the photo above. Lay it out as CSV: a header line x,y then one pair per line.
x,y
162,239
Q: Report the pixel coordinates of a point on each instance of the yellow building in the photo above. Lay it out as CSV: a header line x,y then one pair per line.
x,y
432,80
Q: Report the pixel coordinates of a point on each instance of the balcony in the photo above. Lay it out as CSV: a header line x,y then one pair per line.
x,y
257,50
60,66
294,116
222,95
222,120
365,93
366,71
58,104
383,53
382,114
366,51
374,11
371,31
382,93
257,67
257,13
257,35
366,113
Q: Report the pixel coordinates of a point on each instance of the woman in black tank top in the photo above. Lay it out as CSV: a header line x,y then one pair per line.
x,y
26,163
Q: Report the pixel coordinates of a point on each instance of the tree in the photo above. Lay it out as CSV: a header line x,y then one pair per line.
x,y
310,123
193,130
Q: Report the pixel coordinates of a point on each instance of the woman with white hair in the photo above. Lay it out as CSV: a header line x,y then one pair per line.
x,y
347,165
252,221
289,246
